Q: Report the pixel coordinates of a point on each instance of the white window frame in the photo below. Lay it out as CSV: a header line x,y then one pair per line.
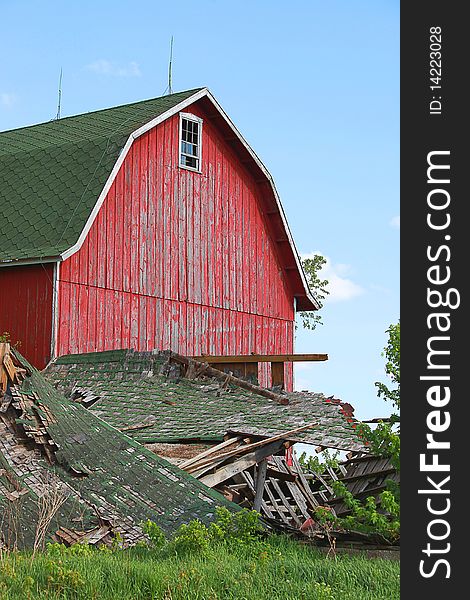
x,y
194,119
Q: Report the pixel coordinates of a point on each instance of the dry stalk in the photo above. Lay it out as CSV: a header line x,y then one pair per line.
x,y
49,502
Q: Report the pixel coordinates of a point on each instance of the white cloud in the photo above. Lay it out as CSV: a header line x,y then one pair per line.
x,y
7,99
341,288
395,222
106,67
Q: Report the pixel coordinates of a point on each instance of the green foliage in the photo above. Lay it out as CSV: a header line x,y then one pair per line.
x,y
367,517
324,516
318,465
59,550
287,570
384,439
193,537
311,267
64,580
392,366
5,337
155,534
381,515
241,528
243,525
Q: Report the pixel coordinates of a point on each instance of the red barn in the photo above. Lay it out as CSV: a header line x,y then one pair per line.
x,y
149,225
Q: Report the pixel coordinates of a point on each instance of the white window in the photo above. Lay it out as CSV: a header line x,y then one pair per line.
x,y
190,141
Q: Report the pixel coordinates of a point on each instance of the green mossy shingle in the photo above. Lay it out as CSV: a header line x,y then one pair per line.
x,y
52,174
126,390
107,472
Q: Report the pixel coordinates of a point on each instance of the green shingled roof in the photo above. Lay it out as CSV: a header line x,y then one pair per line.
x,y
104,472
52,174
125,389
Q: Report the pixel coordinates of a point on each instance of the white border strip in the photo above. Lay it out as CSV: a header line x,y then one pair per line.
x,y
55,309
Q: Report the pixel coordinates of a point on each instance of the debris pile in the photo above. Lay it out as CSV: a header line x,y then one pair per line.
x,y
63,466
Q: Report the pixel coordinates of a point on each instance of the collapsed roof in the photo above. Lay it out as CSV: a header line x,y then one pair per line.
x,y
145,394
102,479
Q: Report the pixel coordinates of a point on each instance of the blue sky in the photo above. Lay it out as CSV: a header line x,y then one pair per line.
x,y
314,88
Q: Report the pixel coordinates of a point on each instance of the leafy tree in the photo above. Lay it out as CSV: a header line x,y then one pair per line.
x,y
392,367
385,438
311,267
381,515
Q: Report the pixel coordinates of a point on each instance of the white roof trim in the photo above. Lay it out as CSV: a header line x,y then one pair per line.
x,y
276,196
137,133
14,262
150,125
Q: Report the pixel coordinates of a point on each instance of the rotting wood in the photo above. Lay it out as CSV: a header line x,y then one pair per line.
x,y
280,475
264,507
260,484
209,451
281,436
141,425
9,366
251,358
217,374
292,487
285,501
277,374
4,349
243,463
306,488
275,505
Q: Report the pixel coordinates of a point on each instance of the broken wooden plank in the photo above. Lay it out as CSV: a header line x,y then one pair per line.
x,y
281,436
217,374
264,507
10,367
212,450
4,350
296,492
243,463
141,425
260,484
303,483
285,501
275,504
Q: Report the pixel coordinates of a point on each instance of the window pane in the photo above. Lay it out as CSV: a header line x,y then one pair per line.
x,y
189,161
189,143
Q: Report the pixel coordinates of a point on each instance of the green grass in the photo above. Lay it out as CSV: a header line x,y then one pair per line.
x,y
279,569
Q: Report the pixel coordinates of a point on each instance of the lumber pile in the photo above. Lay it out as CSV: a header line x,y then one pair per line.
x,y
266,475
257,475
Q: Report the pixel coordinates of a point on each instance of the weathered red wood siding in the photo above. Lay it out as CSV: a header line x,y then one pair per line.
x,y
26,309
177,259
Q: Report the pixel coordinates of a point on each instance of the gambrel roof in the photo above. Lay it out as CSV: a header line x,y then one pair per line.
x,y
54,178
52,174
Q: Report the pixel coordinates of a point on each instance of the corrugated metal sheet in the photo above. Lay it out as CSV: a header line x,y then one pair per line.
x,y
26,309
177,259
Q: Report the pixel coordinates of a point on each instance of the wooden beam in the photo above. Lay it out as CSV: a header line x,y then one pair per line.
x,y
243,463
201,455
285,501
285,435
247,477
277,374
260,481
251,358
204,367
